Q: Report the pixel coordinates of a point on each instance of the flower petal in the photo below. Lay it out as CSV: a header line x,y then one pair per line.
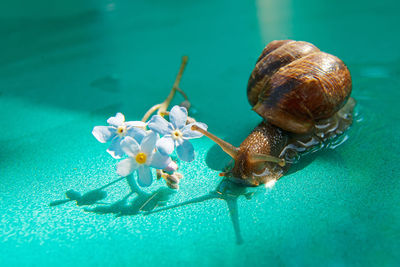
x,y
178,116
188,133
117,120
136,133
103,134
185,151
139,124
160,125
126,167
149,143
115,149
145,178
160,161
165,145
130,146
178,142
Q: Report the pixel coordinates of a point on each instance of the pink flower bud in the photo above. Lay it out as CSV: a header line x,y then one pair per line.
x,y
172,167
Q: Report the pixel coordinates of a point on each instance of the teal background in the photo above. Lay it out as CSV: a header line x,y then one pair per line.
x,y
67,66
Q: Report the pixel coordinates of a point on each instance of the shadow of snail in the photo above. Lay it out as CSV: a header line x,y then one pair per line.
x,y
226,191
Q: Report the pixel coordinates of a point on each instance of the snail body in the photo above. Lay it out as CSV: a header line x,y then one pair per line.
x,y
303,95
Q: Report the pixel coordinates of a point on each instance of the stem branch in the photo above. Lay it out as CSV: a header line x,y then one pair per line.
x,y
162,107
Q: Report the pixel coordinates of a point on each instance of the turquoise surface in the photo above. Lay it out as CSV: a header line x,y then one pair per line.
x,y
68,66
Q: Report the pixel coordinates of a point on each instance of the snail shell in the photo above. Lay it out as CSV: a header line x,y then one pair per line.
x,y
294,85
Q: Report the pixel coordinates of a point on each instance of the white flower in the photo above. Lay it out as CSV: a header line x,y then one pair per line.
x,y
117,131
176,133
142,157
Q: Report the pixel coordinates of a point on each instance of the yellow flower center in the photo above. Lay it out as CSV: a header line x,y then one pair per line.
x,y
121,130
176,134
141,158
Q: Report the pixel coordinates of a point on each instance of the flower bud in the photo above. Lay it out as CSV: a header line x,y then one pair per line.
x,y
172,167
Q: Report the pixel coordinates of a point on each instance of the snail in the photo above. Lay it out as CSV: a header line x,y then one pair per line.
x,y
303,95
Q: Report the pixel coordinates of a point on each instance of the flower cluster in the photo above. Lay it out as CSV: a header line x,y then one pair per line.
x,y
150,145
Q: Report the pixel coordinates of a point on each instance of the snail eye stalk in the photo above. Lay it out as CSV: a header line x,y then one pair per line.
x,y
228,148
267,158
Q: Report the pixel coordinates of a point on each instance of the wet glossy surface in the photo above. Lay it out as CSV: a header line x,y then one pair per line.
x,y
68,67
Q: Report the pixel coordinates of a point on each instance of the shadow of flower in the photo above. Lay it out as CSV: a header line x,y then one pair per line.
x,y
147,203
89,198
141,203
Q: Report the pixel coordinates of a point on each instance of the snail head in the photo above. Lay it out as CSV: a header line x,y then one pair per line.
x,y
248,168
